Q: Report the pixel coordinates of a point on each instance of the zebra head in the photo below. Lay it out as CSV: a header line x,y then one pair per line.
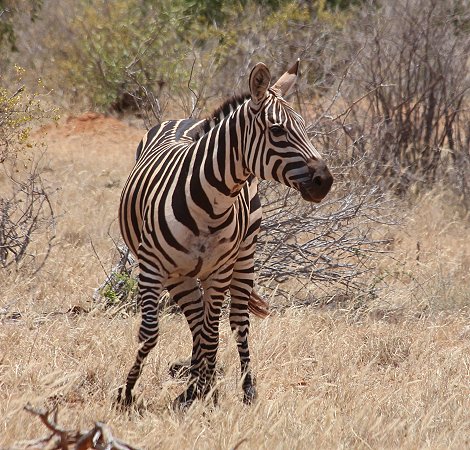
x,y
280,147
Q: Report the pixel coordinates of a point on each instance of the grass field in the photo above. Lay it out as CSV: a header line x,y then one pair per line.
x,y
395,374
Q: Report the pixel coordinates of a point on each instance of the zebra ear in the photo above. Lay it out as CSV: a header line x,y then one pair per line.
x,y
260,78
287,81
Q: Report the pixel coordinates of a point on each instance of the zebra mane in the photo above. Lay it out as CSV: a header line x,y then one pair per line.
x,y
220,113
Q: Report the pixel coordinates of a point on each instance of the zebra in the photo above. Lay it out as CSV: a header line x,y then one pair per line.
x,y
190,213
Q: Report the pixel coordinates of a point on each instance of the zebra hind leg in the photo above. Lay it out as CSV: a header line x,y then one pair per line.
x,y
149,291
214,296
187,294
204,327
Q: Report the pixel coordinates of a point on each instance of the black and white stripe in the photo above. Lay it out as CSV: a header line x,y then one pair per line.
x,y
190,212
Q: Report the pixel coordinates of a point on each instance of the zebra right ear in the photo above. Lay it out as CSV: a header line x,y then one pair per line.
x,y
260,78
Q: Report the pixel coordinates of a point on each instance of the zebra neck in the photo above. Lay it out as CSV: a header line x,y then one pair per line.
x,y
220,164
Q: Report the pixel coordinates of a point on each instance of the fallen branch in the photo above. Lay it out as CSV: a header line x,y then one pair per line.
x,y
99,437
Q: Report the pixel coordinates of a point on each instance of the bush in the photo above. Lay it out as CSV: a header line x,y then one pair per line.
x,y
25,209
406,61
8,10
116,50
160,50
120,286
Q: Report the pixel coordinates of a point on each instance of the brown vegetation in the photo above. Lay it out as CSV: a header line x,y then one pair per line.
x,y
392,373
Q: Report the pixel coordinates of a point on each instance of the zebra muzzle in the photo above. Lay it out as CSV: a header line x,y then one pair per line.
x,y
319,183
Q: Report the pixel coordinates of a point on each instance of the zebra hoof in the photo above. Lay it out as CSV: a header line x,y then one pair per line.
x,y
183,402
125,401
249,395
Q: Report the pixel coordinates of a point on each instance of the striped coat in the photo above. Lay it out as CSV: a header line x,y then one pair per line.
x,y
190,213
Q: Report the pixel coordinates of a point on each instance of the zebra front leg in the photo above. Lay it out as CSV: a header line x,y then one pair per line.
x,y
150,288
240,292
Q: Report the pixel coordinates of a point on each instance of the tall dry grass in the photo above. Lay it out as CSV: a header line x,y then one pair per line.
x,y
392,374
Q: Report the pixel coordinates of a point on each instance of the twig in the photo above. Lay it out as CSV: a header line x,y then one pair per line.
x,y
98,258
192,91
355,102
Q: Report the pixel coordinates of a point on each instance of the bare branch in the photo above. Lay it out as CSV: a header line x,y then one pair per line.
x,y
99,437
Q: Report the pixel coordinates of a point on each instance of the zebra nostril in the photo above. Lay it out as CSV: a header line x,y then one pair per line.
x,y
317,180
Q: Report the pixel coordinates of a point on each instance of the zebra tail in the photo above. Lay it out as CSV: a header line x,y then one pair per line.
x,y
258,306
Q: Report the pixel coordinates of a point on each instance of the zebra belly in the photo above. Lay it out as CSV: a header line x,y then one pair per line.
x,y
202,254
210,253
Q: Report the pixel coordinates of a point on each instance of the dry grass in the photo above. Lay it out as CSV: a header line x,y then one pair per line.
x,y
393,376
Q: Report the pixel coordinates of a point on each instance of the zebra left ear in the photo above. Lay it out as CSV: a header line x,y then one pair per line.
x,y
287,81
260,77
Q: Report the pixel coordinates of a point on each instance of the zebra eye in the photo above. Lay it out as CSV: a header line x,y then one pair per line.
x,y
278,131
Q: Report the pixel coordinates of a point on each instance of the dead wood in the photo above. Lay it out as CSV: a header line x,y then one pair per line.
x,y
99,437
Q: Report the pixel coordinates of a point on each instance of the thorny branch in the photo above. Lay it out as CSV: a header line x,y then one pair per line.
x,y
196,96
146,100
330,243
27,211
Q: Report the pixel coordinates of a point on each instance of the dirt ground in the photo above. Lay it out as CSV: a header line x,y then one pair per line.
x,y
393,376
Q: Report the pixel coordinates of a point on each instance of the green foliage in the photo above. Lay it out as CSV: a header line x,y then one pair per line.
x,y
340,4
19,109
150,46
122,288
216,12
9,9
282,17
208,11
116,49
334,12
101,51
97,51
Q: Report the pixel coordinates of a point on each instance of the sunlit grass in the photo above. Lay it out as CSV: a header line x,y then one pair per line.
x,y
394,375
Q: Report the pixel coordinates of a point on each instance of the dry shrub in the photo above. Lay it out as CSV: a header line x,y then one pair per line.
x,y
392,120
25,207
330,249
26,212
408,63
